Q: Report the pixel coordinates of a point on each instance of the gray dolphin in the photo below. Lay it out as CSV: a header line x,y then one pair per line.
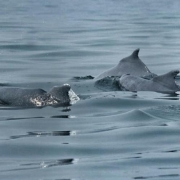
x,y
129,65
164,83
58,95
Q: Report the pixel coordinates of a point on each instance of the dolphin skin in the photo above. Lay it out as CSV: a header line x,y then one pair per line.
x,y
58,95
164,83
129,65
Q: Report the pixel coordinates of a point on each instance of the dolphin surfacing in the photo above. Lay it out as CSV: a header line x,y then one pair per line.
x,y
164,83
58,95
129,65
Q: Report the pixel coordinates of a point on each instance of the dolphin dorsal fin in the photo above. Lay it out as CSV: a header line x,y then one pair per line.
x,y
60,92
167,79
135,53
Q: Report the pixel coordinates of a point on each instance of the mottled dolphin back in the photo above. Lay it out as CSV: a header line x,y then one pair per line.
x,y
15,96
168,80
129,65
63,95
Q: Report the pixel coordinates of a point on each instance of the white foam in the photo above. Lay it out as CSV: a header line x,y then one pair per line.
x,y
73,133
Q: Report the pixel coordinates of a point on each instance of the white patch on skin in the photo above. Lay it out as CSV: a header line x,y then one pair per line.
x,y
37,102
51,100
73,97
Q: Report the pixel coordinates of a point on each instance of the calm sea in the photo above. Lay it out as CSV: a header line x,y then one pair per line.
x,y
107,135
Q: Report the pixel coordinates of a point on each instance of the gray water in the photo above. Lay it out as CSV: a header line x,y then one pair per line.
x,y
107,134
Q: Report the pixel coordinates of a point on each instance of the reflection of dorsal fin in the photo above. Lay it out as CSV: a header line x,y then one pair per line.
x,y
167,79
135,53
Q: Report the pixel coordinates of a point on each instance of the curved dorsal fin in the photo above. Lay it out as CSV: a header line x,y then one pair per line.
x,y
135,53
167,79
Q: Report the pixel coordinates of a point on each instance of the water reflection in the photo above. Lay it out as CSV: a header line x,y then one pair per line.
x,y
47,164
160,176
21,118
44,164
63,116
42,134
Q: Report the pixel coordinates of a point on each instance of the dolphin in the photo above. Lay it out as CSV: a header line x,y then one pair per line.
x,y
26,97
129,65
164,83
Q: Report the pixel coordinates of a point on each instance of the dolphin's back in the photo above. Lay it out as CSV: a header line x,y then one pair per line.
x,y
164,83
19,96
128,65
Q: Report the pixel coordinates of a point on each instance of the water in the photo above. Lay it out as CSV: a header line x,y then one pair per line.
x,y
107,134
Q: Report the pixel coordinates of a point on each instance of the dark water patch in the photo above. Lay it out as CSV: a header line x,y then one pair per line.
x,y
99,130
43,75
168,98
66,109
47,164
72,53
136,157
6,106
58,163
50,6
43,164
160,176
79,31
99,43
169,175
28,47
14,25
10,69
173,96
163,124
168,168
171,151
62,179
5,84
23,118
151,95
2,103
83,77
11,108
61,116
42,134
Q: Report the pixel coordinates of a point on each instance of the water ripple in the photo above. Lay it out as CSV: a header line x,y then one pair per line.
x,y
157,177
43,164
42,134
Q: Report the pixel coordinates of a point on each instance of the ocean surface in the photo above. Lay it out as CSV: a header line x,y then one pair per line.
x,y
107,135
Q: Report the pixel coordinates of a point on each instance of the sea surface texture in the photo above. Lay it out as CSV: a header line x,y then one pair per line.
x,y
108,134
